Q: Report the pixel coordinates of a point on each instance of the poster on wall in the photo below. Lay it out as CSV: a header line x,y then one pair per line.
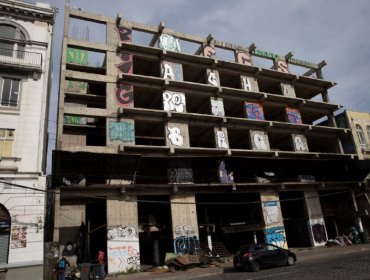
x,y
18,237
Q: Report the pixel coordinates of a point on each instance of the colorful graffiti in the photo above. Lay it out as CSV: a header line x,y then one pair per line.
x,y
217,105
124,34
254,110
172,71
77,56
173,101
319,233
124,95
276,235
169,42
68,119
123,256
186,241
122,131
293,115
243,58
221,140
209,51
126,66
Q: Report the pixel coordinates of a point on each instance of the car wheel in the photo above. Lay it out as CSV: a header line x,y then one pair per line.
x,y
290,260
255,266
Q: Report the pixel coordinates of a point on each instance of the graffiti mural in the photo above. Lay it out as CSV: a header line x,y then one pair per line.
x,y
174,101
175,136
124,95
300,143
276,235
122,131
259,140
123,256
186,241
319,233
209,51
77,56
169,42
18,237
254,110
243,58
69,119
172,71
122,233
221,140
293,115
212,78
271,209
217,105
248,83
281,65
180,175
126,65
124,34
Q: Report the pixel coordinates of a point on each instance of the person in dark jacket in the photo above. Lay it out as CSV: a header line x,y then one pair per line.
x,y
60,268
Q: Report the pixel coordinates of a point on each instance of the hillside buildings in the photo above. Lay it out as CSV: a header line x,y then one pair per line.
x,y
25,67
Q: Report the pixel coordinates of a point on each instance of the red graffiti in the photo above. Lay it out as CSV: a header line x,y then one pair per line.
x,y
124,94
208,51
124,33
126,65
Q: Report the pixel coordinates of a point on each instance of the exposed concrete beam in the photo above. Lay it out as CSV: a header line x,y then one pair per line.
x,y
157,35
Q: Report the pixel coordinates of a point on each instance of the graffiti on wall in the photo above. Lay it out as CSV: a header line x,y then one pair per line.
x,y
122,131
18,237
180,175
217,105
122,233
123,256
293,115
300,143
172,71
243,58
124,34
248,83
76,87
288,90
254,110
169,42
281,65
212,78
276,235
173,101
69,119
259,140
271,209
126,65
124,95
319,233
221,140
77,56
175,136
209,51
186,241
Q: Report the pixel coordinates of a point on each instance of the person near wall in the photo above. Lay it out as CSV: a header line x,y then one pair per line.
x,y
60,268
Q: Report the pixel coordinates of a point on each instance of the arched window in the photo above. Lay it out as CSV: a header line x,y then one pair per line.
x,y
12,40
4,234
360,134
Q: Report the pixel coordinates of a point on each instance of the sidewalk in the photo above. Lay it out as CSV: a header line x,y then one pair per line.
x,y
303,254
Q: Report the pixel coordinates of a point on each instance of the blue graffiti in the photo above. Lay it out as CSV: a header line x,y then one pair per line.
x,y
187,245
275,235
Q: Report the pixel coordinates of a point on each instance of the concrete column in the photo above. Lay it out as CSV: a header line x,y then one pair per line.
x,y
123,235
273,218
185,225
56,215
316,223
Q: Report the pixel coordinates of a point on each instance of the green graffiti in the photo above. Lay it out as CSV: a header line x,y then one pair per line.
x,y
122,131
68,119
77,56
76,87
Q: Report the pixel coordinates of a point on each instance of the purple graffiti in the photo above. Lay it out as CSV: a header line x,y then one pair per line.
x,y
294,116
124,94
319,234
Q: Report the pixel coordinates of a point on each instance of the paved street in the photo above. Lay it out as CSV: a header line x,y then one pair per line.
x,y
342,262
349,265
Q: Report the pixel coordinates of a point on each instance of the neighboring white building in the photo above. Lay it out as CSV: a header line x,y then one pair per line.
x,y
26,32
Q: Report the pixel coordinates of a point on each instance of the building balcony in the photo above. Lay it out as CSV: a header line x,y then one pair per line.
x,y
20,59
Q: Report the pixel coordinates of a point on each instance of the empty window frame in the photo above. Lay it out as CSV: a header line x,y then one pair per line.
x,y
6,142
10,92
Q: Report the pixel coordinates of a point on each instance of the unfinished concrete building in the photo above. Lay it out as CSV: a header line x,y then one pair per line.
x,y
165,146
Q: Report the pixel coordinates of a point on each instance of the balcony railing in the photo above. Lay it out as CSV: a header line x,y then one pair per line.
x,y
20,57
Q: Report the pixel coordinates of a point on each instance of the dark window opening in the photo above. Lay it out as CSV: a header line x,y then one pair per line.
x,y
198,104
148,98
238,139
201,136
194,74
149,133
142,66
280,141
231,80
